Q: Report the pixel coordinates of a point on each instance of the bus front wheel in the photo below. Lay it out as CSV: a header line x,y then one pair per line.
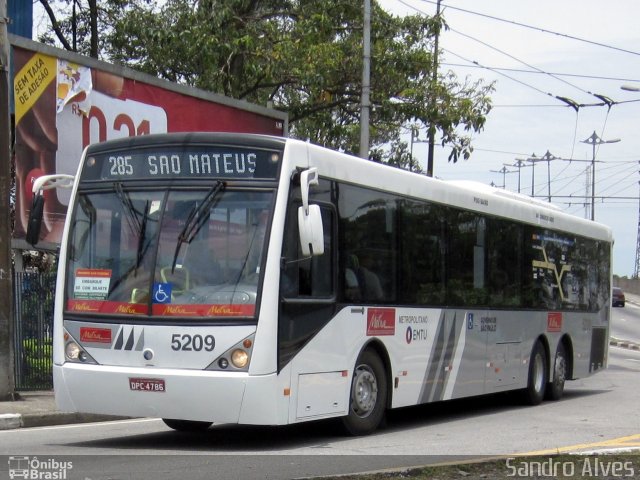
x,y
368,398
186,425
537,382
555,389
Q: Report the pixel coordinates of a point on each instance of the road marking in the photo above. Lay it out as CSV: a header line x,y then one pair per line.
x,y
629,442
80,425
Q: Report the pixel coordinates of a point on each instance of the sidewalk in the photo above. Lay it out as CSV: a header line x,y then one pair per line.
x,y
38,409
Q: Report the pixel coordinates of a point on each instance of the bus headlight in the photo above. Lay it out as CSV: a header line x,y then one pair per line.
x,y
239,358
235,359
72,351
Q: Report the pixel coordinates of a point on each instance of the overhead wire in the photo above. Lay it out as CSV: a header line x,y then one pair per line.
x,y
532,27
559,74
500,73
481,42
566,100
604,101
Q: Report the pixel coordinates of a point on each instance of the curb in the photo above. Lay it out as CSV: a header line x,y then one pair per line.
x,y
10,421
624,344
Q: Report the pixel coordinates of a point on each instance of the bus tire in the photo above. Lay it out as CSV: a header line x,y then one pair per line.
x,y
555,389
186,425
537,381
368,397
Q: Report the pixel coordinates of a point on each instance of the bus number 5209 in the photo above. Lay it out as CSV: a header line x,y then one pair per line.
x,y
192,343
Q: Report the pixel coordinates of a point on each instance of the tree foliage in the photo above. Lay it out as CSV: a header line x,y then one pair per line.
x,y
303,57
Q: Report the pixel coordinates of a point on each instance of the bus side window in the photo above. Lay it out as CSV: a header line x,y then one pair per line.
x,y
302,276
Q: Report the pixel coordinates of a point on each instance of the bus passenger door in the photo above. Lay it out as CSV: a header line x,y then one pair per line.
x,y
307,305
307,292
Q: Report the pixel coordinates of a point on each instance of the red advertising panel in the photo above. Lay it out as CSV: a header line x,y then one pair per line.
x,y
62,106
381,321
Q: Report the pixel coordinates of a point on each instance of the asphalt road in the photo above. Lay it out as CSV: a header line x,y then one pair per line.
x,y
599,412
625,322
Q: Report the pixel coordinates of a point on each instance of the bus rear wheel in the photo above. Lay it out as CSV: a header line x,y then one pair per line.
x,y
537,382
368,399
186,425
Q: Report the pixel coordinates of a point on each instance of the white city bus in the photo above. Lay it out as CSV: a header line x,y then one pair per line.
x,y
210,277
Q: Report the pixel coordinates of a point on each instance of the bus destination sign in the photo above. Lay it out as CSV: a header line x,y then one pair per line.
x,y
200,162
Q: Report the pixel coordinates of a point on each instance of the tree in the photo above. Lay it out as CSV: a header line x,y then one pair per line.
x,y
78,26
303,57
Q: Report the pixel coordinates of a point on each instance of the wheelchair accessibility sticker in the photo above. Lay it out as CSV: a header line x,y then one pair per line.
x,y
161,293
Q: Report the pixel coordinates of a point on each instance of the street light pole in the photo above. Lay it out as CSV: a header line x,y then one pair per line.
x,y
594,140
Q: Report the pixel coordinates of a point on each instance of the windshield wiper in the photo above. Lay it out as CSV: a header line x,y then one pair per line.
x,y
142,235
129,210
137,226
196,219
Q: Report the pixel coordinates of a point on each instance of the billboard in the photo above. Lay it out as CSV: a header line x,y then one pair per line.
x,y
64,102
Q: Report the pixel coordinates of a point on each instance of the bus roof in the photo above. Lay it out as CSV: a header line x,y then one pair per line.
x,y
468,195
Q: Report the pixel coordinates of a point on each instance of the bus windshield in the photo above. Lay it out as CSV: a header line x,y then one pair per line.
x,y
167,252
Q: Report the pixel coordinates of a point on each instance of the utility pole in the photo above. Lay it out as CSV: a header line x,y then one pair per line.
x,y
636,270
533,159
519,164
414,137
366,81
504,172
434,83
587,191
594,140
7,382
547,157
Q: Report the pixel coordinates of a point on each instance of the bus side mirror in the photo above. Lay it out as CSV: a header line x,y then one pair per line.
x,y
311,231
35,220
310,217
45,182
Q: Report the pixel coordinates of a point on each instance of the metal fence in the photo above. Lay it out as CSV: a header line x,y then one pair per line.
x,y
33,333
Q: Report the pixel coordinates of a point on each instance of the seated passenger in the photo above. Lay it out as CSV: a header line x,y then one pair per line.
x,y
368,283
201,264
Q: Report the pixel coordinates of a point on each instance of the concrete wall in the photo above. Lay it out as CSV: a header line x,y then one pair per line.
x,y
631,285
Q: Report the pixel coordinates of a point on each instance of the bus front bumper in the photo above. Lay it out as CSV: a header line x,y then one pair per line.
x,y
177,394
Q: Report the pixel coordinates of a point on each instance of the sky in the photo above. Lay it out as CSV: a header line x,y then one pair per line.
x,y
527,119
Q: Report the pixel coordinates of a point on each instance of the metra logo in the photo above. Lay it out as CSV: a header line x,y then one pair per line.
x,y
224,310
381,321
554,322
95,335
83,307
178,310
126,309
